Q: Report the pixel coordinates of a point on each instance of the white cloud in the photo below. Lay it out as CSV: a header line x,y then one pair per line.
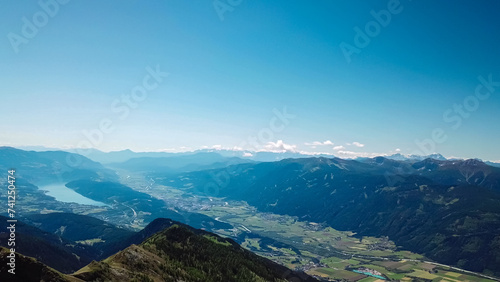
x,y
316,153
398,150
353,155
217,147
357,144
247,154
171,150
279,147
336,148
318,143
167,150
328,143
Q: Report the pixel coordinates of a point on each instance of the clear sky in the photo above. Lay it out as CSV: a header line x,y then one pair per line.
x,y
67,68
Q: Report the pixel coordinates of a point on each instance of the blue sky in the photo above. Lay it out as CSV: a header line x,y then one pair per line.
x,y
227,75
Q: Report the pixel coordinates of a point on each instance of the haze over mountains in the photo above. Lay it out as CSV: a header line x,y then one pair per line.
x,y
261,156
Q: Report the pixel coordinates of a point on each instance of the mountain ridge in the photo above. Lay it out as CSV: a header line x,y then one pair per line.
x,y
182,253
165,250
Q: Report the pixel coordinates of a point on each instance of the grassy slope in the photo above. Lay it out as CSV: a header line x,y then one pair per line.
x,y
180,252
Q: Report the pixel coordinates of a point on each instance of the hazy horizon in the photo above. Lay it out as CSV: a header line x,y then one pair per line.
x,y
87,151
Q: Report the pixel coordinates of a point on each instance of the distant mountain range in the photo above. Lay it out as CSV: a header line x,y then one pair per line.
x,y
400,157
51,166
493,164
261,156
179,163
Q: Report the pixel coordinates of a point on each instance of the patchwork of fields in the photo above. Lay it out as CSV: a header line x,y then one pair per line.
x,y
326,252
